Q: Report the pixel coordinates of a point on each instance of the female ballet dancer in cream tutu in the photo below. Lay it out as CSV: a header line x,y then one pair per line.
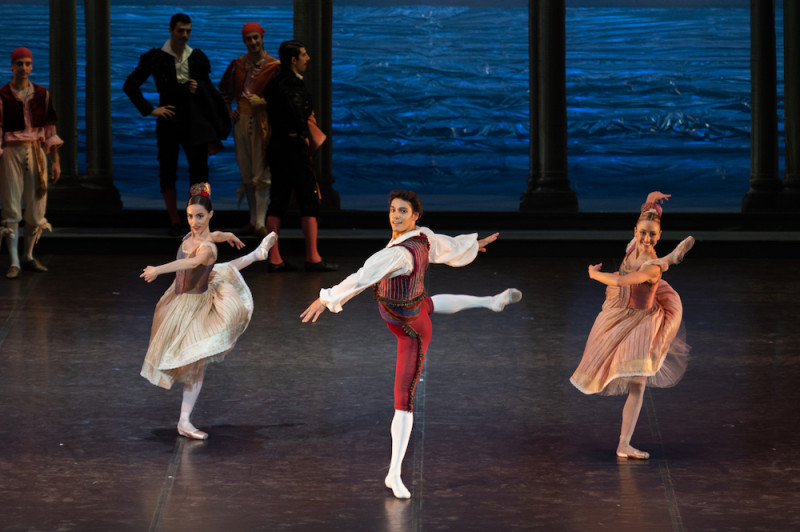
x,y
204,311
634,342
397,276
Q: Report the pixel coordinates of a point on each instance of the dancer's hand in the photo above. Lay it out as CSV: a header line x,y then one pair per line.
x,y
150,273
313,311
594,268
657,197
482,243
193,86
233,240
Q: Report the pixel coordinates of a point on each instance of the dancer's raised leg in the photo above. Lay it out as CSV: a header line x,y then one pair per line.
x,y
630,415
401,432
451,303
260,253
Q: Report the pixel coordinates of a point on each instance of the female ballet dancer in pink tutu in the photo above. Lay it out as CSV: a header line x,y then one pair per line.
x,y
204,311
397,277
634,342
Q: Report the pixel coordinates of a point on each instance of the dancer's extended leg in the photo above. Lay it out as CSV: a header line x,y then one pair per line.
x,y
451,303
401,432
630,415
260,253
190,393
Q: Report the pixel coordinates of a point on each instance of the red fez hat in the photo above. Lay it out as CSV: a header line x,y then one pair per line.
x,y
19,53
251,27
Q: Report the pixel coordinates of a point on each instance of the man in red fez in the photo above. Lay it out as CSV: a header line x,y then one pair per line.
x,y
241,86
28,121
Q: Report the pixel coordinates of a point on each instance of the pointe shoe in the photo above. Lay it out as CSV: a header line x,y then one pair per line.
x,y
193,434
506,297
677,254
634,453
266,244
399,489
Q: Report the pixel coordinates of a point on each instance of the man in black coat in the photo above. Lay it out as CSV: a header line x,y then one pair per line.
x,y
190,112
290,114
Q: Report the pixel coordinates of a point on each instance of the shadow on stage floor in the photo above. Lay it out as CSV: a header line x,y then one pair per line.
x,y
299,415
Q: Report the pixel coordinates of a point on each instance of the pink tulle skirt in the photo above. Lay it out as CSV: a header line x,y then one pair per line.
x,y
626,343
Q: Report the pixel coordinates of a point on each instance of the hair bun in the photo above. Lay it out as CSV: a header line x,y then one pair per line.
x,y
200,189
651,207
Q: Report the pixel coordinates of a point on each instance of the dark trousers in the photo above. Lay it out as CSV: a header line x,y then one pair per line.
x,y
291,170
169,144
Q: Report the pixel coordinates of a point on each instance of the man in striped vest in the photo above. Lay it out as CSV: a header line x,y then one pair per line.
x,y
397,275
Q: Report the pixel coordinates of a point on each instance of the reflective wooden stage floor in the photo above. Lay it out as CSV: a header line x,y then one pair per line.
x,y
299,415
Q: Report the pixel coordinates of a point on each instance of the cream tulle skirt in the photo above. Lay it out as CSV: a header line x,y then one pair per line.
x,y
191,330
625,343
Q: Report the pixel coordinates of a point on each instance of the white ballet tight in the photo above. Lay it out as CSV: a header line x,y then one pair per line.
x,y
260,253
190,394
451,303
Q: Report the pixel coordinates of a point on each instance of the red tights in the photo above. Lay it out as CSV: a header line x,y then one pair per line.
x,y
412,344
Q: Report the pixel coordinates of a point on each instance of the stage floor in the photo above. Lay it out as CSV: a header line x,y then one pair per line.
x,y
299,414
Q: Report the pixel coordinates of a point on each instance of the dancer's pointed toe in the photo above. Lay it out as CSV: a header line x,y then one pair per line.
x,y
506,297
266,244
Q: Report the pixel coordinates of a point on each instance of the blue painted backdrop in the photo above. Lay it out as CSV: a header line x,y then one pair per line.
x,y
436,99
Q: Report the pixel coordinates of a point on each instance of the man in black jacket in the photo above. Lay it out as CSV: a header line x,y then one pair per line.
x,y
190,112
290,110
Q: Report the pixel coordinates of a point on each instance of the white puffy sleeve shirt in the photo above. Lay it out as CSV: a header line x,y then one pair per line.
x,y
393,261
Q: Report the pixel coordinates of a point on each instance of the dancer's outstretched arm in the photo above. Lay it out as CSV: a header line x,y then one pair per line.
x,y
386,263
648,274
205,255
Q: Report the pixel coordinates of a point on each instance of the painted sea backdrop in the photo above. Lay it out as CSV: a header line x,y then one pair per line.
x,y
435,98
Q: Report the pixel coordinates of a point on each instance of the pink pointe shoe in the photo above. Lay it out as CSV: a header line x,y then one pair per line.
x,y
193,433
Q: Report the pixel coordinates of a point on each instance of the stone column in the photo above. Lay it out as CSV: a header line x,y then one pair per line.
x,y
790,198
99,169
313,25
63,83
765,183
548,185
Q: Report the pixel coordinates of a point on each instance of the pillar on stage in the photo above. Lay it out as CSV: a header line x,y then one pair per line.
x,y
765,184
790,196
64,82
548,184
94,191
313,25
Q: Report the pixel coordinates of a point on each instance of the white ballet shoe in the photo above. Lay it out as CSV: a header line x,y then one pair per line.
x,y
263,248
190,431
506,297
399,489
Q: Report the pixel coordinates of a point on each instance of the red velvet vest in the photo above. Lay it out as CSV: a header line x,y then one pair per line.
x,y
401,297
12,115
